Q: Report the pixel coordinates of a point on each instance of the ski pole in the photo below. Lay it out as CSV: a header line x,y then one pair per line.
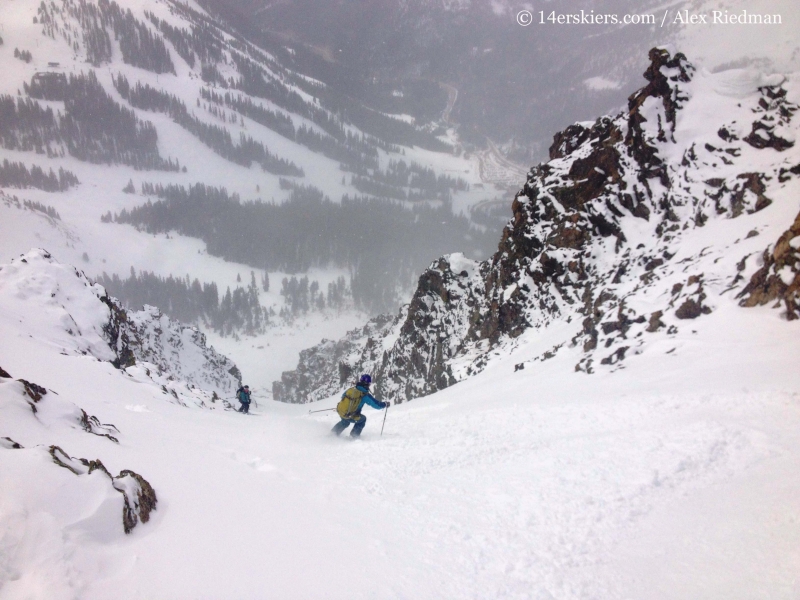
x,y
311,412
384,418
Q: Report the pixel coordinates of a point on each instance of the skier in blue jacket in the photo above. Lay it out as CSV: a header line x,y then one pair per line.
x,y
243,395
349,407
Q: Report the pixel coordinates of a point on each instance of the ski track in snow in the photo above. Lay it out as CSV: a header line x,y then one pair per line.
x,y
538,512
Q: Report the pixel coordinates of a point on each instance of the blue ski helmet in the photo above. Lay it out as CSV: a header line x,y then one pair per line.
x,y
365,379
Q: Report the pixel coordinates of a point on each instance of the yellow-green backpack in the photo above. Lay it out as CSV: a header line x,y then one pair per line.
x,y
348,405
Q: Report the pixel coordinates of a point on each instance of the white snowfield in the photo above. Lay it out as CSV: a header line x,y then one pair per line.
x,y
677,477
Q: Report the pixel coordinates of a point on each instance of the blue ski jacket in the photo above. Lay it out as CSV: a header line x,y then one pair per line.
x,y
244,397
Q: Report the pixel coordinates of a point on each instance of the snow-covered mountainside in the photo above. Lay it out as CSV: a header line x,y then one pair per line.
x,y
112,109
612,399
78,342
638,225
475,48
58,306
53,313
674,478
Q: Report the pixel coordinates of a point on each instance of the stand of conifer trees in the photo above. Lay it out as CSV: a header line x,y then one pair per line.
x,y
302,297
237,311
384,245
215,137
17,175
139,46
93,127
42,208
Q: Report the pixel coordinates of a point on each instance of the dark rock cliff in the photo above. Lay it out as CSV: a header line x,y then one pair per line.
x,y
594,233
778,281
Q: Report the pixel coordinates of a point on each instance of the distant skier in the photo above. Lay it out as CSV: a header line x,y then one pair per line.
x,y
349,407
243,395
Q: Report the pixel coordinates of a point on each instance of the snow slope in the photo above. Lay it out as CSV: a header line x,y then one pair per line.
x,y
672,475
58,306
674,478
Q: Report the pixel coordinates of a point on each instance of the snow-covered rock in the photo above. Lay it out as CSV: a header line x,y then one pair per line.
x,y
51,502
64,328
59,306
39,500
779,279
637,225
27,401
174,355
139,498
324,368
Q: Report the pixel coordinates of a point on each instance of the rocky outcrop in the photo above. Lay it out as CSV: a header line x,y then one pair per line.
x,y
92,424
34,391
436,327
78,316
778,281
764,132
443,309
325,368
594,233
169,350
57,409
139,496
116,333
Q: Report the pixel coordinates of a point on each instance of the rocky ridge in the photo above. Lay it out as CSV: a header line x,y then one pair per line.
x,y
78,317
605,237
778,281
